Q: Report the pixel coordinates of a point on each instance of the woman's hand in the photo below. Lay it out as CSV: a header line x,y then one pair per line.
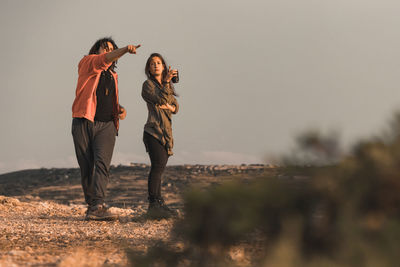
x,y
122,113
170,74
168,106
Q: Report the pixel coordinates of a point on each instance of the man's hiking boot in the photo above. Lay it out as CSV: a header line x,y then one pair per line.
x,y
159,210
100,212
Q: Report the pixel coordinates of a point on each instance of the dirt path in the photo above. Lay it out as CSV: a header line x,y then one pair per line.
x,y
44,232
42,211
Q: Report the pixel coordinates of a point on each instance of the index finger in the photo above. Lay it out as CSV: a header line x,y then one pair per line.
x,y
138,46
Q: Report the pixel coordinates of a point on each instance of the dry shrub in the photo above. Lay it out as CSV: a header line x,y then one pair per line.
x,y
346,213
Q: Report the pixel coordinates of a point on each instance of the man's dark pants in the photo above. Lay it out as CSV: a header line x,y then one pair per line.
x,y
94,144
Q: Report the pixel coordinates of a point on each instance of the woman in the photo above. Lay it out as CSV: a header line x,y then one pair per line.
x,y
159,94
96,113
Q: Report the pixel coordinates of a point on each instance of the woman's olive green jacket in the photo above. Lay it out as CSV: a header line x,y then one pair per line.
x,y
159,121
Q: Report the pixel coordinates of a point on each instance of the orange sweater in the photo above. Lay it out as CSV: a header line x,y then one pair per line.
x,y
89,71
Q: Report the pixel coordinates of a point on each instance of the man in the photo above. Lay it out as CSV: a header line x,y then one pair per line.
x,y
96,113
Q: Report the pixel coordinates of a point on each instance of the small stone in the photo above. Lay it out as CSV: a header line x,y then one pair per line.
x,y
16,252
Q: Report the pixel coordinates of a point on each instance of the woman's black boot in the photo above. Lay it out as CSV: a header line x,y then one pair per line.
x,y
159,210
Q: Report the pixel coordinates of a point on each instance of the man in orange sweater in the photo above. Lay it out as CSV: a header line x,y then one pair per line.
x,y
96,113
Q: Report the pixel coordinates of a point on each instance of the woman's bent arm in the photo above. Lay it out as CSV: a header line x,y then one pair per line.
x,y
149,94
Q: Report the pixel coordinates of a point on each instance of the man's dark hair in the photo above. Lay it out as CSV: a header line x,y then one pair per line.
x,y
103,43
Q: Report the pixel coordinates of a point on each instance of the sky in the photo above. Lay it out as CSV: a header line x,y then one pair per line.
x,y
253,74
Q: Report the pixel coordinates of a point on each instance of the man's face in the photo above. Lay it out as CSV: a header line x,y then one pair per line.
x,y
108,48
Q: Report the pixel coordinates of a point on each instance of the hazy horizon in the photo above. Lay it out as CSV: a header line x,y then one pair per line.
x,y
253,74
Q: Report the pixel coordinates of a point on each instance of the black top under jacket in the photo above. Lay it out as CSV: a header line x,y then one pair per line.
x,y
105,94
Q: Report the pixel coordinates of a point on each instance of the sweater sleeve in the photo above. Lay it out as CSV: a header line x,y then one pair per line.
x,y
92,64
175,103
151,95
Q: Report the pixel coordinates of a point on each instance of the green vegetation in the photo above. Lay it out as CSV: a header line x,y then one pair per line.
x,y
339,212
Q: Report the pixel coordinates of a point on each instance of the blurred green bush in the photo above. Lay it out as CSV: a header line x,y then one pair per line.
x,y
335,211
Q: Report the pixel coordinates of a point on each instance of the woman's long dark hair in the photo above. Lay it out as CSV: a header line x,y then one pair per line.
x,y
164,73
103,44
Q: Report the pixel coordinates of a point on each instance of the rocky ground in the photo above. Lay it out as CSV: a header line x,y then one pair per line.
x,y
42,211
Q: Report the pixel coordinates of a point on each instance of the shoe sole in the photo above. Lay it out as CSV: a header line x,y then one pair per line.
x,y
94,218
158,215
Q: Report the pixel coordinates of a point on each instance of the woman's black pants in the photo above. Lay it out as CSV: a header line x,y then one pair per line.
x,y
158,158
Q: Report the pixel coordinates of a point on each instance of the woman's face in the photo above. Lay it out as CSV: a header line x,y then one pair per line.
x,y
156,66
109,47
